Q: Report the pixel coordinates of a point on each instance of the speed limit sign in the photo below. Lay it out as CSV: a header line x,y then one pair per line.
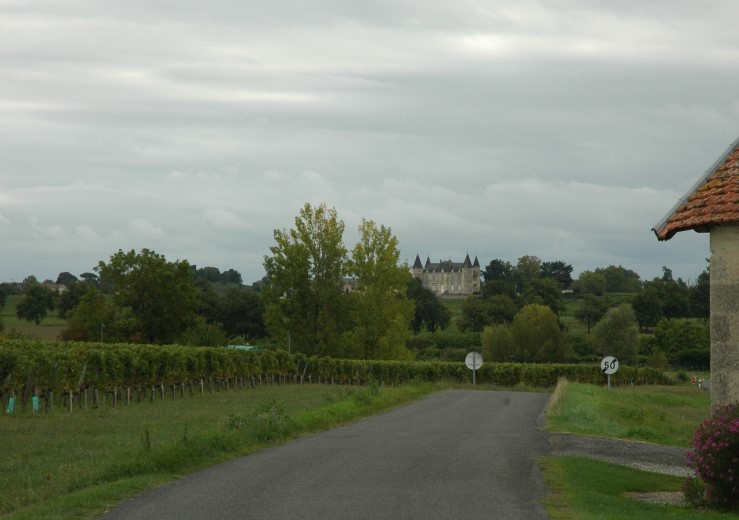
x,y
609,365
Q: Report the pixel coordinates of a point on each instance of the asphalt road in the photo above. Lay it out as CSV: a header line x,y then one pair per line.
x,y
453,455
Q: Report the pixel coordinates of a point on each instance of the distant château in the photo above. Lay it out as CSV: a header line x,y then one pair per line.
x,y
449,279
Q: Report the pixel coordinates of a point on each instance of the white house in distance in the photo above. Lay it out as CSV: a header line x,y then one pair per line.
x,y
712,206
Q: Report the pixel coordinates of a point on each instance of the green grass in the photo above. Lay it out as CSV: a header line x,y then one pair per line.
x,y
75,466
657,414
588,490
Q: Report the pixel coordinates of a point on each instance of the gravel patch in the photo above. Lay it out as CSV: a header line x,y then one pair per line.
x,y
668,460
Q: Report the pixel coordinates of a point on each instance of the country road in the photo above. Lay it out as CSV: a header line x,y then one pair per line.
x,y
453,455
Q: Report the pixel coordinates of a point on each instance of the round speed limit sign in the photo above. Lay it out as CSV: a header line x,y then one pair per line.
x,y
609,365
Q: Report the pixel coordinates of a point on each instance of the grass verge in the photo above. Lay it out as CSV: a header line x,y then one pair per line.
x,y
658,414
64,466
588,490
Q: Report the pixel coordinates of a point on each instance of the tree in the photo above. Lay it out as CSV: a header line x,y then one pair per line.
x,y
537,336
209,274
381,310
545,291
498,343
499,279
700,297
37,301
501,308
210,302
683,339
231,276
558,271
429,311
242,313
617,334
647,307
66,279
620,280
160,295
304,299
673,296
474,315
92,318
90,278
675,299
591,309
3,296
590,282
526,271
70,298
203,334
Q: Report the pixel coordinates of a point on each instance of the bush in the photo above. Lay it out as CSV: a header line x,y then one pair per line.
x,y
694,491
268,421
715,456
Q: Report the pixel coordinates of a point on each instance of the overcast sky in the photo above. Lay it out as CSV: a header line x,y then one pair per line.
x,y
563,129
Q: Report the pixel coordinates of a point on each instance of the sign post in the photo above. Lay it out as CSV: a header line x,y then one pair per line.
x,y
473,362
609,365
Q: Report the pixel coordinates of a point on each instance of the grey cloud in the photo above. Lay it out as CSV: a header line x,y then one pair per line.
x,y
564,129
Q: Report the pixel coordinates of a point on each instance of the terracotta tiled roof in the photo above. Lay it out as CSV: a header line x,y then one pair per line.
x,y
713,200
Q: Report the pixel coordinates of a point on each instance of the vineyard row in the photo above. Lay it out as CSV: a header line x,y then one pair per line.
x,y
31,368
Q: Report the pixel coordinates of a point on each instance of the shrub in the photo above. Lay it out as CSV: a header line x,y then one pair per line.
x,y
268,421
715,456
694,491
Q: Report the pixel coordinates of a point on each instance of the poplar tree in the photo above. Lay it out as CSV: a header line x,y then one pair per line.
x,y
381,310
304,304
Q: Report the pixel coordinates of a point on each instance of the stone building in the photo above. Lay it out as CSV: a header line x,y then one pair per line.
x,y
449,279
712,206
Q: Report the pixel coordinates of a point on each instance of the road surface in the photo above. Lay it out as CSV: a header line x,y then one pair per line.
x,y
453,455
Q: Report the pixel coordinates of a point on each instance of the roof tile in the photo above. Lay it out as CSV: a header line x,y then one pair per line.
x,y
715,201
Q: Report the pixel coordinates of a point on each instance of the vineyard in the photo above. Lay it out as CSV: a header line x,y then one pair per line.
x,y
73,374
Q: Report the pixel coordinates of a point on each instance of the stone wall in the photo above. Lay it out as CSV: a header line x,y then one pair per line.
x,y
724,314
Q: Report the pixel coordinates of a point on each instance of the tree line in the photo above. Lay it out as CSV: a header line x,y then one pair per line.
x,y
519,314
317,298
320,297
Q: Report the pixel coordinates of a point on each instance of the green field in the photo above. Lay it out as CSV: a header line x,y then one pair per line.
x,y
76,465
49,329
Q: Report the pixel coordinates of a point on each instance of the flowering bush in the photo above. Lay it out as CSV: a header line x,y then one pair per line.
x,y
715,456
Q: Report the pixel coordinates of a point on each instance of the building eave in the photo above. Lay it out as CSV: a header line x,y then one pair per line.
x,y
659,228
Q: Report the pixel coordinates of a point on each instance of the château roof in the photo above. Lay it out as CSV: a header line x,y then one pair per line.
x,y
713,200
445,266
